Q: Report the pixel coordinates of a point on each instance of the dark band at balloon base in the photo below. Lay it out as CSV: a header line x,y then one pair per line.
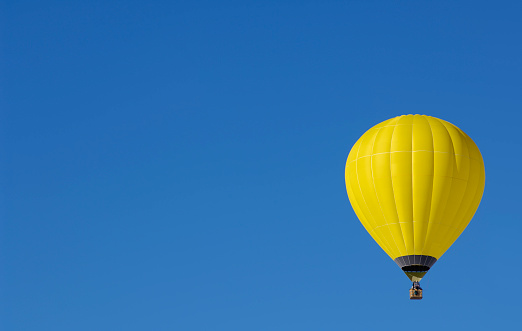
x,y
415,263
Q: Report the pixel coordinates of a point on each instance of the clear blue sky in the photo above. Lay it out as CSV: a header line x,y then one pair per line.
x,y
179,165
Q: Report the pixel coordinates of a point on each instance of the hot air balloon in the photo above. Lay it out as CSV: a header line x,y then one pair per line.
x,y
415,182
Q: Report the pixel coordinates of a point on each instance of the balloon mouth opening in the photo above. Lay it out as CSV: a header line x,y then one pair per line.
x,y
415,268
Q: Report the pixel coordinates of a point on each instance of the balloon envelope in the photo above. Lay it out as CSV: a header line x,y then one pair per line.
x,y
415,182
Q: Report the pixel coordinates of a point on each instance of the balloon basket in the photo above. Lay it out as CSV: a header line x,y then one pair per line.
x,y
415,291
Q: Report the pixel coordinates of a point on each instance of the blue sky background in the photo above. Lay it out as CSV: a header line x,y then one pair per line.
x,y
179,165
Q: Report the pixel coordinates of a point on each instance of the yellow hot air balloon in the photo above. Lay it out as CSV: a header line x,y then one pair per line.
x,y
415,182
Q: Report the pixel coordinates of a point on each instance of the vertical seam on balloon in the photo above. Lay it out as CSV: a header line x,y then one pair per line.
x,y
364,200
393,191
412,202
452,171
432,184
412,220
377,196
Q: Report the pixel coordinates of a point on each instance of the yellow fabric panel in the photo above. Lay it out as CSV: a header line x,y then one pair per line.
x,y
415,182
442,181
402,183
381,176
422,179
